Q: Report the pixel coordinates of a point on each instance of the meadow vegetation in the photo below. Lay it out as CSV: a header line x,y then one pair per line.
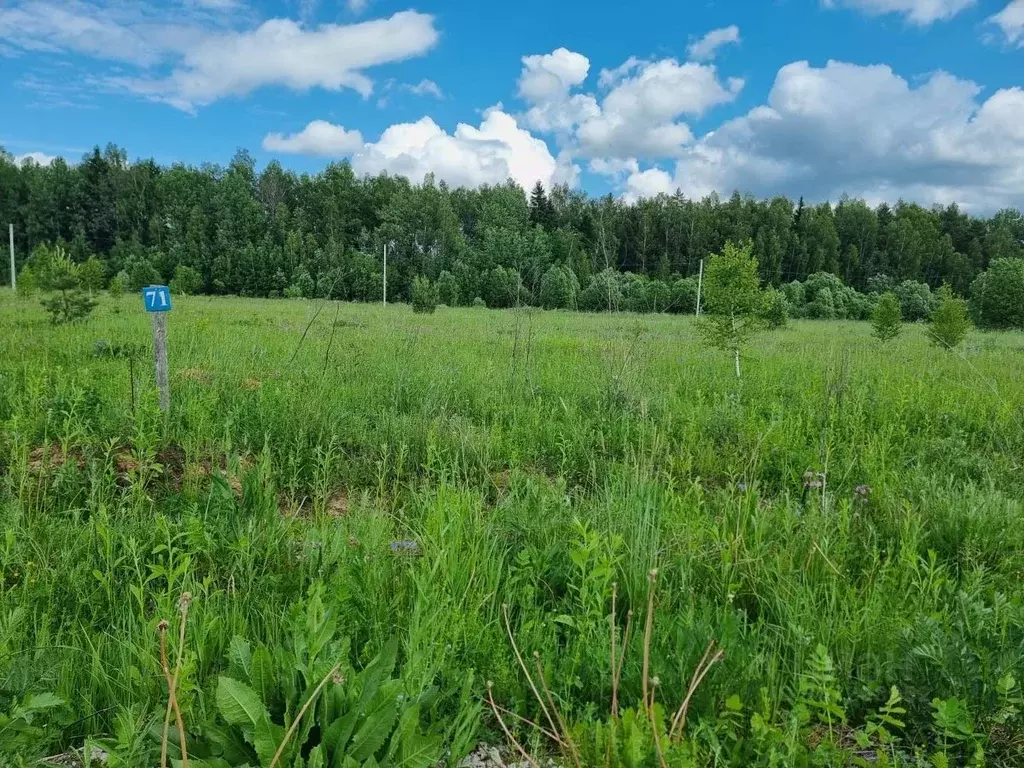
x,y
365,536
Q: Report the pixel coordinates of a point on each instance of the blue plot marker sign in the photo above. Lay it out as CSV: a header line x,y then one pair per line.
x,y
157,298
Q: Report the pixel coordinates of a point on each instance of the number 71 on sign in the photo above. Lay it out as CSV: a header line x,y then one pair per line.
x,y
157,298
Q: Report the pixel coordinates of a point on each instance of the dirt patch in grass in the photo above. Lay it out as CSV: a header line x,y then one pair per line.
x,y
46,457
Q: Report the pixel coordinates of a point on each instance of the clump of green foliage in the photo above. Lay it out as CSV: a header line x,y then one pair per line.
x,y
997,296
424,295
186,281
67,302
950,321
886,319
732,300
774,308
118,285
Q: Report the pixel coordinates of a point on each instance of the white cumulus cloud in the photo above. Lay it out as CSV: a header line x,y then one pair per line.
x,y
425,88
317,138
283,52
491,154
551,76
1011,21
706,48
638,116
190,53
40,158
921,12
866,131
496,151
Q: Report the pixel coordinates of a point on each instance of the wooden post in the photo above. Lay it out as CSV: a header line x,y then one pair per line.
x,y
14,279
385,274
700,285
160,356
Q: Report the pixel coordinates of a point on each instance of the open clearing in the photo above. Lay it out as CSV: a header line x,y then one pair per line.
x,y
848,514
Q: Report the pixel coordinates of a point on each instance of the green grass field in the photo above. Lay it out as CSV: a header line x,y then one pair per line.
x,y
534,459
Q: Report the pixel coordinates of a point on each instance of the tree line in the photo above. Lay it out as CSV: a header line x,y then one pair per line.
x,y
236,230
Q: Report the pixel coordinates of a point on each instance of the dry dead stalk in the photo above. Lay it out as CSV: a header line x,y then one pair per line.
x,y
504,728
561,723
526,671
707,661
298,718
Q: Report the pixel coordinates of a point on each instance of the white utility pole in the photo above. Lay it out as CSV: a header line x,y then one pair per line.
x,y
14,279
700,284
385,274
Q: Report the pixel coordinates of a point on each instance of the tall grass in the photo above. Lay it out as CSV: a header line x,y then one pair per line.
x,y
534,460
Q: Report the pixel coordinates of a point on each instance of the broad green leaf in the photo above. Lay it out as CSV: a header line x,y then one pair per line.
x,y
232,747
266,738
374,731
239,704
316,758
262,674
40,701
379,669
339,732
240,657
419,751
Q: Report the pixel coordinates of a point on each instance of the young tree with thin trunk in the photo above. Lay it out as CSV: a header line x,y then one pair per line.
x,y
732,300
887,320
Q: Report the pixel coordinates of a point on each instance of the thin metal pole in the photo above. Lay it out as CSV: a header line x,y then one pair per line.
x,y
385,274
160,356
700,285
14,278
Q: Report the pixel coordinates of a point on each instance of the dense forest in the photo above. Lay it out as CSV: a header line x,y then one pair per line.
x,y
234,230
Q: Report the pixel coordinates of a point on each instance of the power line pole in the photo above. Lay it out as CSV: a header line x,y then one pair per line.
x,y
385,274
700,284
14,279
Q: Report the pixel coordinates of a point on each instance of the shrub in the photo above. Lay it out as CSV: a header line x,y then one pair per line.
x,y
479,303
880,283
556,289
823,307
795,297
916,300
92,274
28,282
949,322
604,294
141,273
634,294
659,295
424,295
997,296
293,292
119,285
305,283
683,296
774,309
886,320
448,289
186,280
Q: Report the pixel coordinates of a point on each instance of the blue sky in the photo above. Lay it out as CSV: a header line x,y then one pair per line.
x,y
920,99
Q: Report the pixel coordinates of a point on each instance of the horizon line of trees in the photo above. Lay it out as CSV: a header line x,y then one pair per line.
x,y
233,230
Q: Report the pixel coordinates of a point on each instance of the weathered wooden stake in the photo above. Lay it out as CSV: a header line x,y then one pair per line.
x,y
14,277
160,355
